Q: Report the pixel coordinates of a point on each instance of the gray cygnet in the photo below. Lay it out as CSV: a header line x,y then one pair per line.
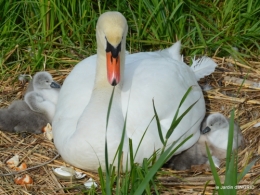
x,y
18,118
214,131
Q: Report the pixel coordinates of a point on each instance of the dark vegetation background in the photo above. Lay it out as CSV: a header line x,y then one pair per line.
x,y
59,33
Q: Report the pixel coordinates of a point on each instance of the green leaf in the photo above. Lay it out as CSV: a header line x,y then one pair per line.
x,y
176,122
214,172
158,124
108,184
230,139
246,169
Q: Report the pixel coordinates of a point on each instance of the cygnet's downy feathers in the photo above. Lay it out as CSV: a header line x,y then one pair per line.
x,y
38,104
214,131
18,117
44,84
216,127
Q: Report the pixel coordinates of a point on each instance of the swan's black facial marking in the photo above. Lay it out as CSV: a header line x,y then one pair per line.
x,y
114,51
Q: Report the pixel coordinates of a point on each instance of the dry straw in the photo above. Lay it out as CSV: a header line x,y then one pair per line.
x,y
225,93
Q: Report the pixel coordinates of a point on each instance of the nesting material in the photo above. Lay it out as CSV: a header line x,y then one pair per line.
x,y
68,173
239,82
90,183
47,132
13,162
222,97
22,167
23,180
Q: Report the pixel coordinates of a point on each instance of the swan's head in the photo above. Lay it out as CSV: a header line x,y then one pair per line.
x,y
215,122
43,80
111,34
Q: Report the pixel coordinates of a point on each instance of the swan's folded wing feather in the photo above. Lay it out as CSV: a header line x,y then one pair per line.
x,y
150,79
203,67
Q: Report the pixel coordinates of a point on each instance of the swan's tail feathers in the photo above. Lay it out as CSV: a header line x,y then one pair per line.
x,y
203,67
175,50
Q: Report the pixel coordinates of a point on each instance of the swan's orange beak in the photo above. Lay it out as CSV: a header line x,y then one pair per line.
x,y
113,63
113,69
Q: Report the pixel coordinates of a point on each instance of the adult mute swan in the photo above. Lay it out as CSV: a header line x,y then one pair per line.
x,y
79,124
214,131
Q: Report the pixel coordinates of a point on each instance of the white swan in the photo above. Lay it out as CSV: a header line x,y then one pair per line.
x,y
79,124
215,130
44,84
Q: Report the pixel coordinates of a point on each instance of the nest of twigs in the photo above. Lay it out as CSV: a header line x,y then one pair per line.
x,y
224,91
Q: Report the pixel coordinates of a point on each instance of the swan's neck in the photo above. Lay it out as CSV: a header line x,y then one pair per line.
x,y
92,123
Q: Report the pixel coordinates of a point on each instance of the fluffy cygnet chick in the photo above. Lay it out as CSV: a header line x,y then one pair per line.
x,y
44,84
18,118
38,104
214,131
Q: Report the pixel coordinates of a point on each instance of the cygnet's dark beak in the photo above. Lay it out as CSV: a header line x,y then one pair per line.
x,y
55,85
206,130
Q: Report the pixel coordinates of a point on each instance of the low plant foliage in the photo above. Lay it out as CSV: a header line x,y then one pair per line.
x,y
60,33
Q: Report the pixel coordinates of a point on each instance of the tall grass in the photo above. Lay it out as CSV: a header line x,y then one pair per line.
x,y
63,32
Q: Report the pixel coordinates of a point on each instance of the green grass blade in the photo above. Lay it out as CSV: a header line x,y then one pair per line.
x,y
231,175
178,146
101,181
230,139
108,184
142,137
214,172
246,169
158,124
152,172
175,123
181,102
157,165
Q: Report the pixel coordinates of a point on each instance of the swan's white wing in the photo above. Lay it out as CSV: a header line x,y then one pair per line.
x,y
165,80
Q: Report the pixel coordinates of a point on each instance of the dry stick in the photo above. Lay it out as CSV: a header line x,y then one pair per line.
x,y
246,83
37,166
